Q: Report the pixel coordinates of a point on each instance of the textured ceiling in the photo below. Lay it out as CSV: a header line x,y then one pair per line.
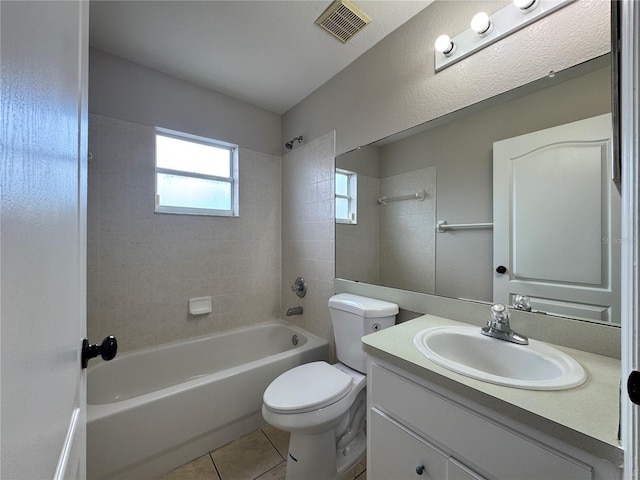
x,y
264,52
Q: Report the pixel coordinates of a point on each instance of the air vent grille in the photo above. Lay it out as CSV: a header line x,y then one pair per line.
x,y
343,20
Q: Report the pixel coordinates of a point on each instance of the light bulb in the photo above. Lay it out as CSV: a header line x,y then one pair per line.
x,y
526,5
481,24
445,45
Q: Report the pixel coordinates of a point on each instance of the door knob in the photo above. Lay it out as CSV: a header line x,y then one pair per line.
x,y
633,387
501,269
107,350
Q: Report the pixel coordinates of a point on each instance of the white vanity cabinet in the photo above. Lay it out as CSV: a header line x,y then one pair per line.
x,y
413,457
417,431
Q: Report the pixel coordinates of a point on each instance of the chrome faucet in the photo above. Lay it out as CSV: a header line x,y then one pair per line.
x,y
498,326
522,302
294,311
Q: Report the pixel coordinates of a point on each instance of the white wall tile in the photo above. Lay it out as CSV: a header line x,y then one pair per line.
x,y
308,237
143,267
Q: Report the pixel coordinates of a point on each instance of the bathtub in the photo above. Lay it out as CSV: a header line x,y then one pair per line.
x,y
151,410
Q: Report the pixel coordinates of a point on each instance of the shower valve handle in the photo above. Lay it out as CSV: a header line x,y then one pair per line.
x,y
107,350
299,287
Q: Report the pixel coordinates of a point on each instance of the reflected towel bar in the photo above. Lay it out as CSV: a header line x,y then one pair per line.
x,y
419,195
443,226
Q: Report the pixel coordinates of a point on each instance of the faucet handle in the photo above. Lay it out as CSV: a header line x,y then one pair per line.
x,y
522,302
498,326
299,287
499,314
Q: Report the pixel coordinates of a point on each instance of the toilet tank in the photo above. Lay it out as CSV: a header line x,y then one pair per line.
x,y
353,317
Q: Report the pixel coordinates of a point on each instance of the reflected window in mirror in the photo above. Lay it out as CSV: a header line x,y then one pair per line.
x,y
346,197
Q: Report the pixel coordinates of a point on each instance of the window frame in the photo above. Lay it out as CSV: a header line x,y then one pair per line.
x,y
233,180
351,197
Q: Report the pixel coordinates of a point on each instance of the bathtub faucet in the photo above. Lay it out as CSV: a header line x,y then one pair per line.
x,y
294,311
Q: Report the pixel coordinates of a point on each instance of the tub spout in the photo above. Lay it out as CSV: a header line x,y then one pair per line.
x,y
294,311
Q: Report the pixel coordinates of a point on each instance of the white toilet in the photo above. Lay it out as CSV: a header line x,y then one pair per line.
x,y
324,406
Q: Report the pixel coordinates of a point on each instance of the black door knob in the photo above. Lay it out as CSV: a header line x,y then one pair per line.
x,y
107,350
420,469
633,387
501,269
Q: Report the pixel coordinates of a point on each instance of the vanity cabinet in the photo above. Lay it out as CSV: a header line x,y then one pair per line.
x,y
417,431
413,456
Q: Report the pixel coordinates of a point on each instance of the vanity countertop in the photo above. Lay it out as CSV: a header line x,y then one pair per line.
x,y
586,417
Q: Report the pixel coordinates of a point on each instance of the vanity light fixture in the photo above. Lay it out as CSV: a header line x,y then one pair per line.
x,y
487,29
445,46
481,24
526,5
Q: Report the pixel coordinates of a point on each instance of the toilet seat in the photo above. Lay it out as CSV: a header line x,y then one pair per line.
x,y
307,387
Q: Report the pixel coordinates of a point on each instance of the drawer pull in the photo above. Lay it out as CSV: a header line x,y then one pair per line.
x,y
420,469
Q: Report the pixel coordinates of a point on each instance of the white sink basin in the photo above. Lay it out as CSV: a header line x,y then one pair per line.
x,y
465,350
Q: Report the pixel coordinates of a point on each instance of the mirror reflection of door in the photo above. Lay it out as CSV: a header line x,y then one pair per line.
x,y
556,224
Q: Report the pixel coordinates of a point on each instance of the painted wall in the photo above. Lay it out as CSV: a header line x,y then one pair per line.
x,y
143,267
405,91
127,91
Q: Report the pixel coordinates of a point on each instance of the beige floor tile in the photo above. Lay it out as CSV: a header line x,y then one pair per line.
x,y
362,476
199,469
279,438
355,471
350,474
246,458
276,473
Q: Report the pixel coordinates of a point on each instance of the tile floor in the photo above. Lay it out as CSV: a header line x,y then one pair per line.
x,y
259,455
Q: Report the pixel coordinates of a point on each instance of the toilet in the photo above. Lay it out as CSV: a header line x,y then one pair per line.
x,y
324,406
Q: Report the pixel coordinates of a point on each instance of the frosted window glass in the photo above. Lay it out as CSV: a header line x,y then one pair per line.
x,y
189,156
342,184
342,208
178,191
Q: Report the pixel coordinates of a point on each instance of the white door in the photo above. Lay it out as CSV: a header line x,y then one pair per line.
x,y
44,52
557,221
629,73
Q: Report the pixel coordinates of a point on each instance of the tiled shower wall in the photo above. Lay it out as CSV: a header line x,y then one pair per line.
x,y
407,236
143,267
308,233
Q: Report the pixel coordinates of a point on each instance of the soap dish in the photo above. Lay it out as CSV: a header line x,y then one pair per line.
x,y
200,305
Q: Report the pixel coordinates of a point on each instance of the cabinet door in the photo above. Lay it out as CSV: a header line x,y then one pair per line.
x,y
490,446
398,454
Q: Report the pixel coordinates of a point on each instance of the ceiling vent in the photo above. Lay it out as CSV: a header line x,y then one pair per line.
x,y
343,20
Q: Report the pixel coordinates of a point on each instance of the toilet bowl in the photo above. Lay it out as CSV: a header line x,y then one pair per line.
x,y
323,406
323,409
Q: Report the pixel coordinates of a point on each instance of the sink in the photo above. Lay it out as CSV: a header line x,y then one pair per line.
x,y
537,366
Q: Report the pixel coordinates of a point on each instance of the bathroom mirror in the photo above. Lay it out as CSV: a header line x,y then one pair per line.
x,y
391,195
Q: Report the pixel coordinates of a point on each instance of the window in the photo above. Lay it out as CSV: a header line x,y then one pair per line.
x,y
195,175
346,197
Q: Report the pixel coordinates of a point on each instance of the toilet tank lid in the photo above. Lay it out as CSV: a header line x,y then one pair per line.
x,y
363,306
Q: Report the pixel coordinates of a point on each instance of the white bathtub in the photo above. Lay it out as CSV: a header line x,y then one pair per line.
x,y
152,410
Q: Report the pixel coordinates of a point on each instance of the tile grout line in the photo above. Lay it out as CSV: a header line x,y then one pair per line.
x,y
215,466
272,468
272,444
